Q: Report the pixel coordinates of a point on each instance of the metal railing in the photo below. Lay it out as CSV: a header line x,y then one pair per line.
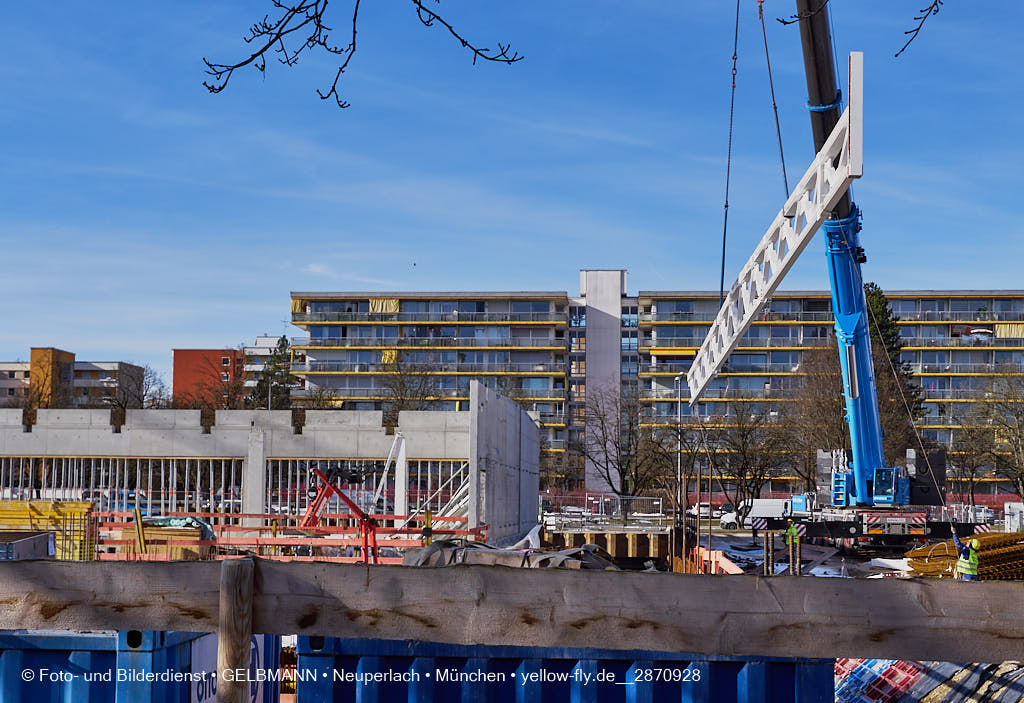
x,y
710,317
955,394
576,511
429,366
452,342
947,316
760,342
720,393
973,340
553,317
765,368
968,368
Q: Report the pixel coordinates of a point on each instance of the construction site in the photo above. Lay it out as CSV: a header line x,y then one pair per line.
x,y
342,553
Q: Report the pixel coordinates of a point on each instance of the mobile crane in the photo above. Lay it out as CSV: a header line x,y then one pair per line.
x,y
868,499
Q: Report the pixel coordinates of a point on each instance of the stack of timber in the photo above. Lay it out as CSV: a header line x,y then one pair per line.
x,y
1000,556
170,543
68,520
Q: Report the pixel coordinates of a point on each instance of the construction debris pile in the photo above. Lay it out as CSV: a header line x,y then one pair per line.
x,y
890,681
1000,556
451,552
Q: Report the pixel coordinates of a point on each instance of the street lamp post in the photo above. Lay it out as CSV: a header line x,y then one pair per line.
x,y
679,464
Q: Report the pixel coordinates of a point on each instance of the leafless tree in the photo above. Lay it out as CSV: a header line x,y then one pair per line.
x,y
815,419
406,385
44,391
298,27
745,451
1004,406
321,398
212,392
630,459
973,447
683,439
144,389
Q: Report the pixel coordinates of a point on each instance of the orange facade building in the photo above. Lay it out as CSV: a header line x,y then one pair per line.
x,y
208,377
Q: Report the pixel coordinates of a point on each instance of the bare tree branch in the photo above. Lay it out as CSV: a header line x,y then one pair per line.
x,y
927,12
308,18
793,19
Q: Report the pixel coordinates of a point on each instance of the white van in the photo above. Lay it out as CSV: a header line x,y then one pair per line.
x,y
759,507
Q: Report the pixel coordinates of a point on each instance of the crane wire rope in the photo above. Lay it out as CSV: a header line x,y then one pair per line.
x,y
771,87
728,154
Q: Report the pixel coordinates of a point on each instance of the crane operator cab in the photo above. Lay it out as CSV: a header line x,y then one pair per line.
x,y
890,487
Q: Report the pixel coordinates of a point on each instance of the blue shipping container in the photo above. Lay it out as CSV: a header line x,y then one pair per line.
x,y
121,667
382,671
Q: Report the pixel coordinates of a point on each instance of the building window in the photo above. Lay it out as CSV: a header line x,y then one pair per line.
x,y
630,315
225,361
629,340
577,342
10,391
10,374
578,315
224,376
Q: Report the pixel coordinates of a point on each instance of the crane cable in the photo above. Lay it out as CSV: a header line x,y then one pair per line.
x,y
771,87
728,155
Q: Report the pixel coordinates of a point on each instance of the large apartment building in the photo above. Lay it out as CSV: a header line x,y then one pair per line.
x,y
358,346
53,377
552,350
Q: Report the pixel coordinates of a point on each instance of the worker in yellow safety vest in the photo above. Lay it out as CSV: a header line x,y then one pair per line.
x,y
967,564
792,536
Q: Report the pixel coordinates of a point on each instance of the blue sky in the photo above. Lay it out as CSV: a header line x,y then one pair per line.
x,y
140,213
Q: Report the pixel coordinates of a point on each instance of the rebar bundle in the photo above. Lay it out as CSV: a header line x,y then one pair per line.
x,y
1000,556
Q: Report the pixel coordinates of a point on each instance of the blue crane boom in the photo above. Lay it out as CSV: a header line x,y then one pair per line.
x,y
873,482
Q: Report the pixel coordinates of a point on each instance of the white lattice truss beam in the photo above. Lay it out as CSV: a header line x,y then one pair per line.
x,y
822,186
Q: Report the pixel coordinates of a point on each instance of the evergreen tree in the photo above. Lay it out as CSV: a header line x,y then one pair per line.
x,y
277,377
900,402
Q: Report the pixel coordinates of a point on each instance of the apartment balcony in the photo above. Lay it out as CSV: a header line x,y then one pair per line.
x,y
552,419
429,367
300,318
973,340
683,317
374,393
988,369
649,417
254,367
431,342
946,316
553,445
955,394
647,369
720,394
759,343
94,383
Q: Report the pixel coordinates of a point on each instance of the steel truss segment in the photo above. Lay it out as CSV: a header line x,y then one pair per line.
x,y
823,184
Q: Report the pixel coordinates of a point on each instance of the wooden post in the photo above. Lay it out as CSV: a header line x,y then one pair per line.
x,y
766,566
234,632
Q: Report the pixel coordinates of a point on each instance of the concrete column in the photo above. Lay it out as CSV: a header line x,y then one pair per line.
x,y
475,406
401,479
254,473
